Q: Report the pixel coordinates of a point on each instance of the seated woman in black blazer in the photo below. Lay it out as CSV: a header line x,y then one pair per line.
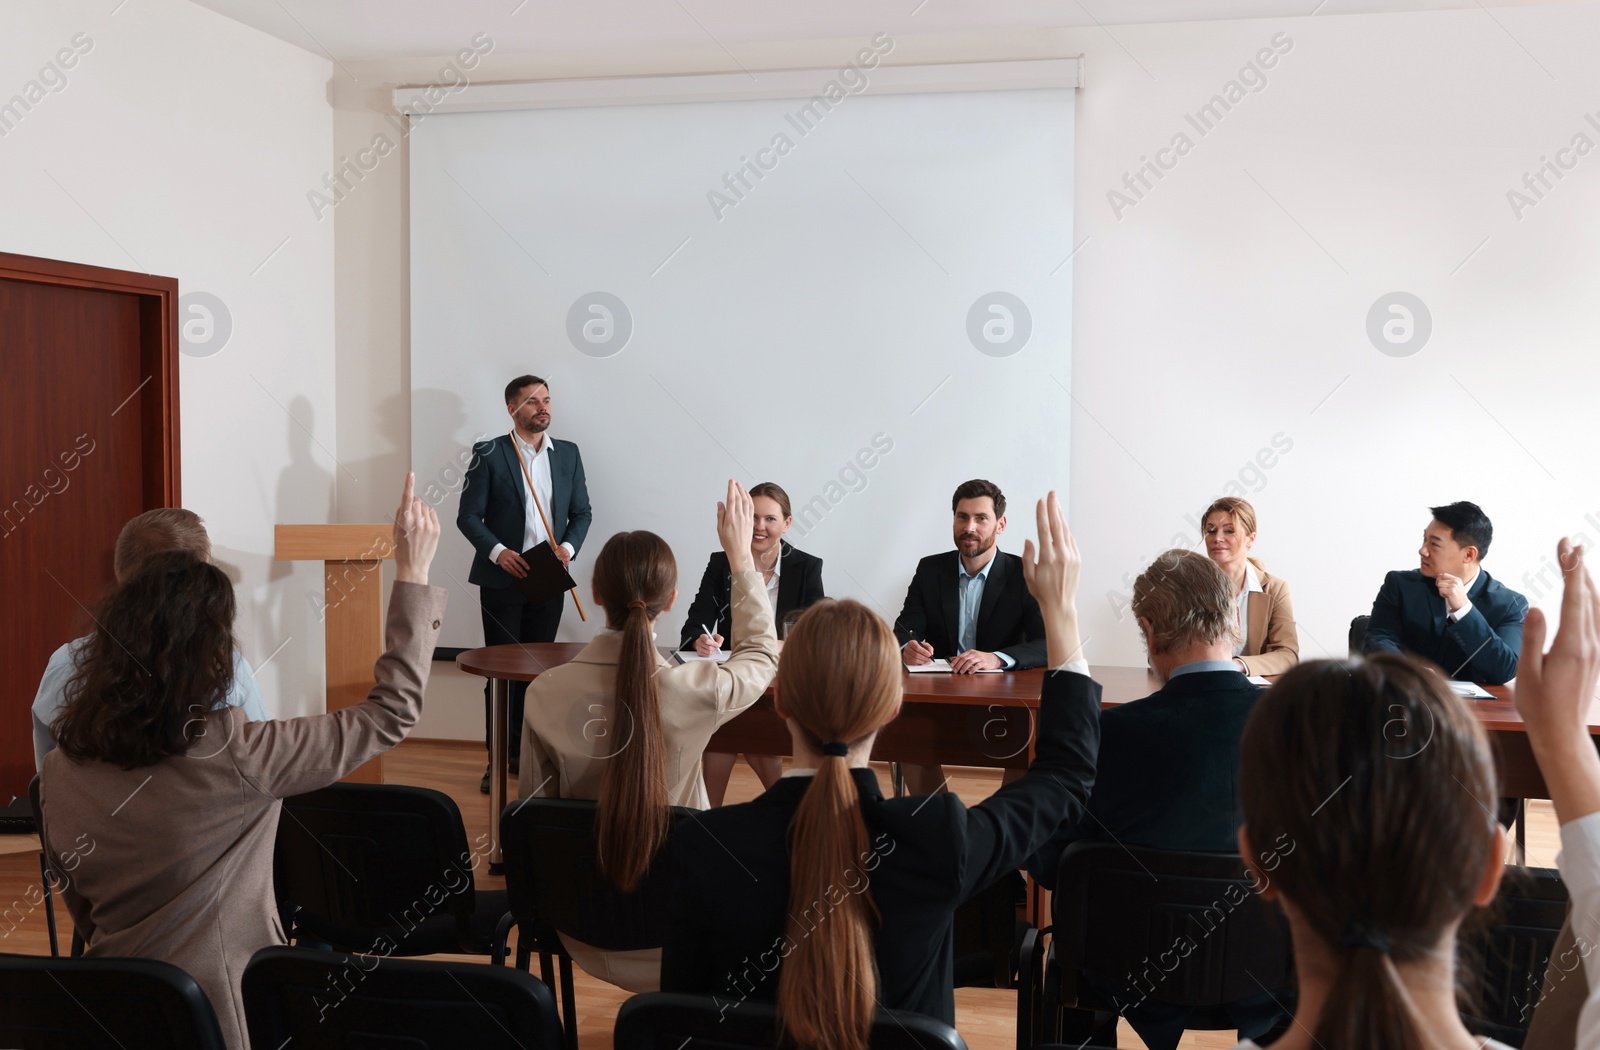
x,y
794,581
831,899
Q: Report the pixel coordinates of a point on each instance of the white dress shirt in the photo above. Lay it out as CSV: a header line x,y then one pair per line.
x,y
772,584
537,462
1252,585
969,600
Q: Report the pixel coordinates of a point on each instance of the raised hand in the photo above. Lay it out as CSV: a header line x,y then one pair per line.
x,y
1554,689
1051,571
736,521
416,535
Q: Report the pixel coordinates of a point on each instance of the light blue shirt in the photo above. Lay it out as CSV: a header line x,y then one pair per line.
x,y
969,599
52,696
1198,666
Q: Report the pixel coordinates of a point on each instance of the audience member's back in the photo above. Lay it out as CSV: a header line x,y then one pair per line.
x,y
1167,775
832,899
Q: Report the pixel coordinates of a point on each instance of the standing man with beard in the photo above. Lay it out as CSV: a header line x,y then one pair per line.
x,y
501,518
970,605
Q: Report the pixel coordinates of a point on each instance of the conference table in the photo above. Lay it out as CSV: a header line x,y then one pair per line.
x,y
953,720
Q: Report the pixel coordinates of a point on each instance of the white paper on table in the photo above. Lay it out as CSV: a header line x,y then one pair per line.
x,y
942,666
689,655
1470,690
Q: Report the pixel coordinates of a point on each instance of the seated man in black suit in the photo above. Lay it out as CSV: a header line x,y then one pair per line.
x,y
1449,610
970,606
1167,775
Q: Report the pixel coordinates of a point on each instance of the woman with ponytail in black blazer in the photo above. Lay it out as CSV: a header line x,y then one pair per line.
x,y
831,899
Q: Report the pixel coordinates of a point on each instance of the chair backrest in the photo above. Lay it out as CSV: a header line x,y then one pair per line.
x,y
553,878
664,1021
1513,949
1173,927
1358,633
103,1004
21,817
363,864
315,1000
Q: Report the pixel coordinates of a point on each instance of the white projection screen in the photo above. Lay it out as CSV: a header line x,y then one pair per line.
x,y
884,313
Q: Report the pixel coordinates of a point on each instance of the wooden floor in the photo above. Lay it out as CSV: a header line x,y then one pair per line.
x,y
985,1017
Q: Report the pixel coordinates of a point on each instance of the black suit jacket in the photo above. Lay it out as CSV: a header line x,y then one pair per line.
x,y
494,495
1484,646
1167,775
799,584
926,855
1009,620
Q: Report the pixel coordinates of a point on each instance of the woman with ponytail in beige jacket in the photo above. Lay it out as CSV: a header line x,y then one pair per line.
x,y
620,725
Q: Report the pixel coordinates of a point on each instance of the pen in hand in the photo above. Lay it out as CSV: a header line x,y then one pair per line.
x,y
708,642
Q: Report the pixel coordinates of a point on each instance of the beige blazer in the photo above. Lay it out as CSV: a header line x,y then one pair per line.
x,y
1272,645
174,861
569,732
569,728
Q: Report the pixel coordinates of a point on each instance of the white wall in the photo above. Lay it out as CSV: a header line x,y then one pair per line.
x,y
1223,308
182,144
1207,319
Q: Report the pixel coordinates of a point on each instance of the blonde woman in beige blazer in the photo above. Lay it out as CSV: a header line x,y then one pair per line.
x,y
1269,644
160,803
621,725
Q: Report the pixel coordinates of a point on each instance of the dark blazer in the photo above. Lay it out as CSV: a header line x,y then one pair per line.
x,y
799,584
495,493
1008,617
1167,775
926,855
1409,616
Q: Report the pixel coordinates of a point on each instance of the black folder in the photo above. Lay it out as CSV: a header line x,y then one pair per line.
x,y
547,578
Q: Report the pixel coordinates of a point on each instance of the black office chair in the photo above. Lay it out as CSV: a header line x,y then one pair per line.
x,y
553,882
1122,913
383,869
663,1021
1512,950
316,1000
103,1004
1358,633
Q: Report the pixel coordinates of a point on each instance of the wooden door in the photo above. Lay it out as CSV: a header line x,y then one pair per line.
x,y
88,357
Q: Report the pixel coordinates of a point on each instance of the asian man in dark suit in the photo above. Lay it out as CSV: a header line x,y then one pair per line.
x,y
501,519
1167,775
1449,609
970,605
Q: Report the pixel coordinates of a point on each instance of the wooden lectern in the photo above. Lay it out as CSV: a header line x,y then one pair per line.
x,y
352,609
